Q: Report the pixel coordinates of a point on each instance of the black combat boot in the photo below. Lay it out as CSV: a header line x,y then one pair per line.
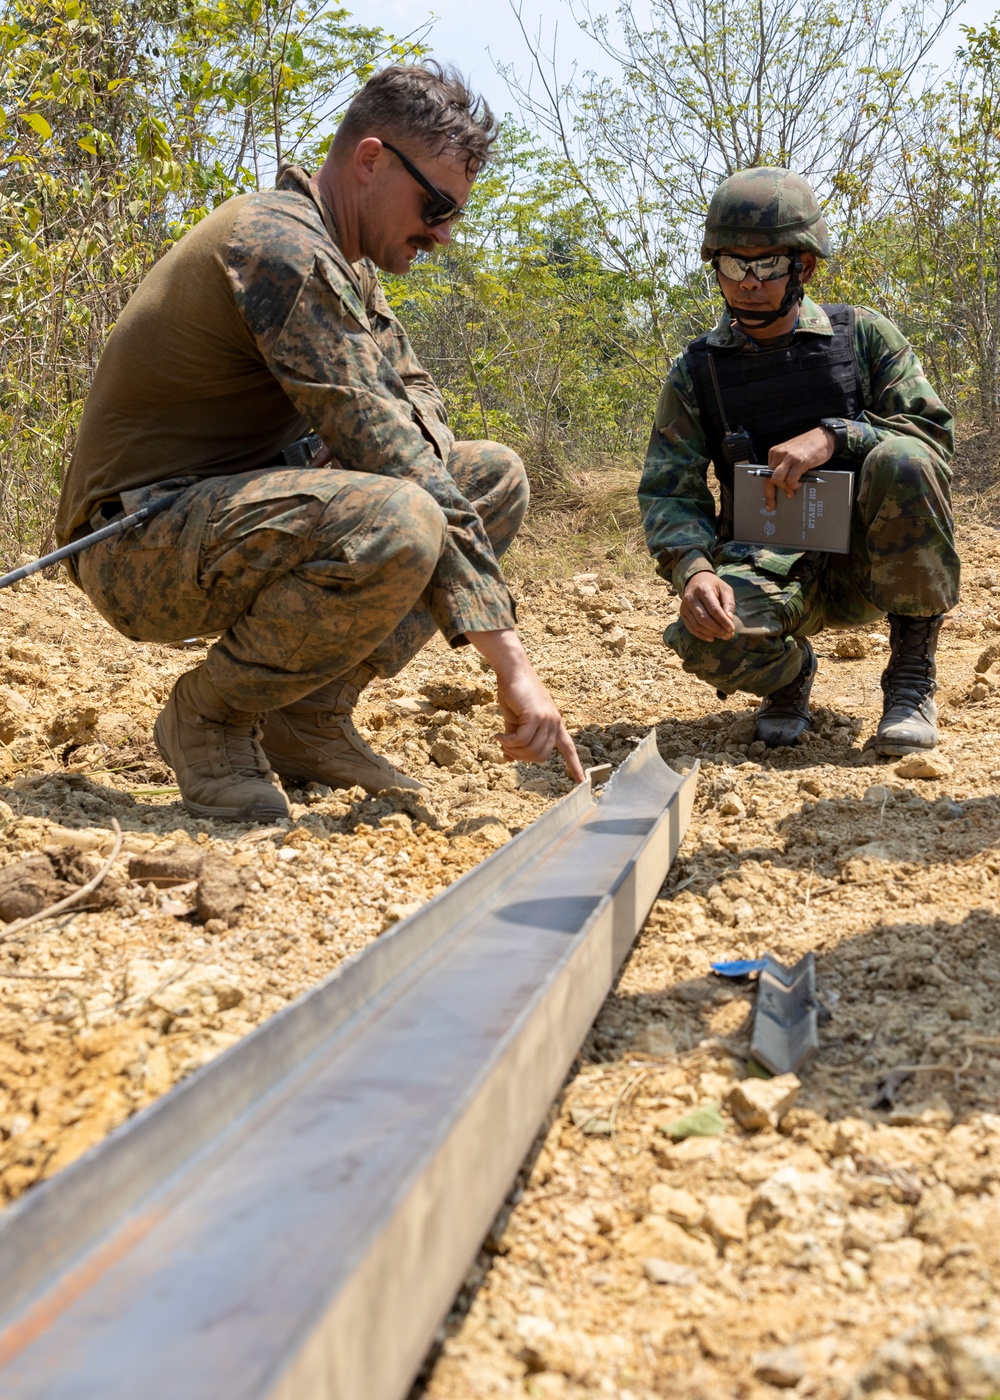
x,y
909,714
784,714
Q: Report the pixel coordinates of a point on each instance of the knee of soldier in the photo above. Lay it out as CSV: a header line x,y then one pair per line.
x,y
710,661
514,487
738,663
901,468
414,530
493,478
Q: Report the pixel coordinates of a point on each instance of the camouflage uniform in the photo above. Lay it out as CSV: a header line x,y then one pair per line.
x,y
251,330
305,573
902,559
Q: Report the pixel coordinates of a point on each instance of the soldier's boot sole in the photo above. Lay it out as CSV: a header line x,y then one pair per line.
x,y
325,747
220,767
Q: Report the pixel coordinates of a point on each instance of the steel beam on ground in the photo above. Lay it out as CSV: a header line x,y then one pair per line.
x,y
293,1222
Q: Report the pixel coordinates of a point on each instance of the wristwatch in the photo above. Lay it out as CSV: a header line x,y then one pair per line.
x,y
838,427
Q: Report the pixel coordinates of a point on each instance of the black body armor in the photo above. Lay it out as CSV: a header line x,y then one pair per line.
x,y
775,394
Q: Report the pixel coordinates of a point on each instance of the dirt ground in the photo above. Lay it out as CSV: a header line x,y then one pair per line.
x,y
844,1249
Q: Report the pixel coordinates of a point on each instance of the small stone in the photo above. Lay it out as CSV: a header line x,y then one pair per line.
x,y
456,696
879,795
411,705
30,885
726,1219
220,892
396,820
811,785
896,1262
794,1196
541,786
924,765
959,1008
75,724
592,1122
853,646
654,1039
680,1154
676,1204
743,912
445,754
663,1271
657,1238
173,866
784,1368
85,838
488,829
979,692
937,1357
616,638
732,805
396,913
15,711
762,1103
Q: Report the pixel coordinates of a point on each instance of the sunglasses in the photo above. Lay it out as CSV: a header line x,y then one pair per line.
x,y
767,269
441,208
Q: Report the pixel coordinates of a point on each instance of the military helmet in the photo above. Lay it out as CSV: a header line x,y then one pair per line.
x,y
765,207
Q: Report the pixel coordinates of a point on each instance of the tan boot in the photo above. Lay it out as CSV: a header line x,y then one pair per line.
x,y
216,754
314,740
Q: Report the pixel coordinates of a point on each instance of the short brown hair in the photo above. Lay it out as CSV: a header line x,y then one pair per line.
x,y
430,104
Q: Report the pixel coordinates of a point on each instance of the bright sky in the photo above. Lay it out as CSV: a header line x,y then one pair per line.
x,y
473,38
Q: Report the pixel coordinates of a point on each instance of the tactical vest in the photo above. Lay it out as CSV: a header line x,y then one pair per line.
x,y
775,394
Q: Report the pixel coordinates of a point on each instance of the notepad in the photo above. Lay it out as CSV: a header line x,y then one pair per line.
x,y
817,517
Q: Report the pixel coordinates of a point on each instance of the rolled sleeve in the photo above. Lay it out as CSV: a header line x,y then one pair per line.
x,y
326,357
676,504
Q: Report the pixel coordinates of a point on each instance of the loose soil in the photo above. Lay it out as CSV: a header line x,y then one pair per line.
x,y
844,1249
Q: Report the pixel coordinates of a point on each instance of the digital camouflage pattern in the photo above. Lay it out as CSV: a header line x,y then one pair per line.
x,y
305,573
903,558
765,207
251,330
676,502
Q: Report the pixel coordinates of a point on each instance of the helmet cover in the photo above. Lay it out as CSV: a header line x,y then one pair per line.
x,y
765,207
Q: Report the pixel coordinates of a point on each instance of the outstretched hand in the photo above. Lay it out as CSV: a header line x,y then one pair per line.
x,y
533,726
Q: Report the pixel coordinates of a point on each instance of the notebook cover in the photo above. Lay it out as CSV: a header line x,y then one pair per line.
x,y
817,517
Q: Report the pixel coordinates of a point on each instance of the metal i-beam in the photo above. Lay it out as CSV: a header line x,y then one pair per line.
x,y
292,1223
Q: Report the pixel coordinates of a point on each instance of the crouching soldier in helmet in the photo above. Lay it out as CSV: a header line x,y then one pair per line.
x,y
811,384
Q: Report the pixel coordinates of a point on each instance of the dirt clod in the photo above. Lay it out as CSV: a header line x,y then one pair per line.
x,y
221,892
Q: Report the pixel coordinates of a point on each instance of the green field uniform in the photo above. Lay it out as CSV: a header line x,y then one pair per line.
x,y
251,331
902,558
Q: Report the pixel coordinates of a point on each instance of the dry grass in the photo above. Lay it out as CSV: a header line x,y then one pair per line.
x,y
589,521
